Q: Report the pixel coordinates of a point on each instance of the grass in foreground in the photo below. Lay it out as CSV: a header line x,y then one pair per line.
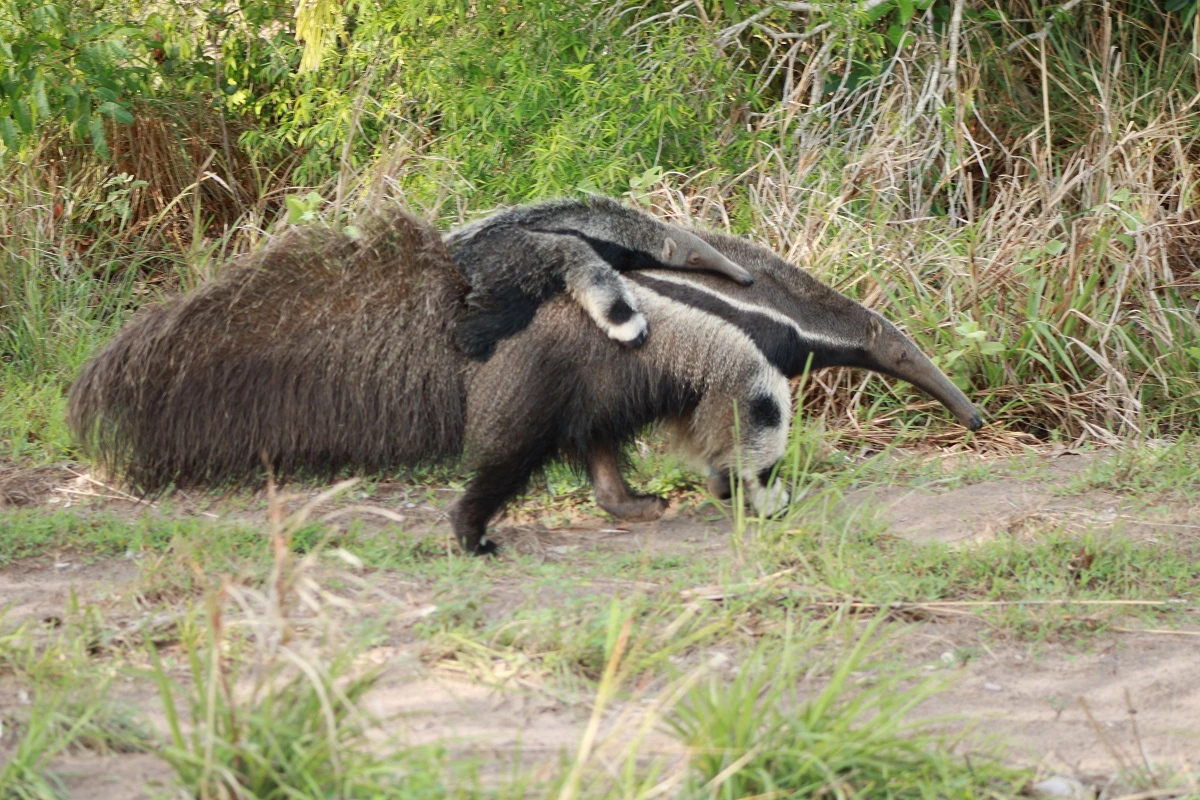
x,y
65,702
279,721
759,734
270,704
554,624
264,690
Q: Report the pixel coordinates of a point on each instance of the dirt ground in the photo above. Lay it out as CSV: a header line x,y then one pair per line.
x,y
1119,700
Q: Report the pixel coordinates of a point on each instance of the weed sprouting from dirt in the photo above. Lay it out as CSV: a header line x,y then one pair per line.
x,y
770,730
64,702
274,697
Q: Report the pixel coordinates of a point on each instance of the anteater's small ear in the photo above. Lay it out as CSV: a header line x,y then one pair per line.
x,y
668,249
876,328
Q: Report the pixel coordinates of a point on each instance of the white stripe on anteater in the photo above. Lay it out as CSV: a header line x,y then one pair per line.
x,y
783,319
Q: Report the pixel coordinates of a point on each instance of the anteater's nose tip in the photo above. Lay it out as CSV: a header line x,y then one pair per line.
x,y
975,422
739,274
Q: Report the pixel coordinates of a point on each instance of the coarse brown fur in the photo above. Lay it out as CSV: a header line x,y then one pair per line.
x,y
321,351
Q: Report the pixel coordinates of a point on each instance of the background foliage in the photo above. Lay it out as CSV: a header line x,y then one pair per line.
x,y
1014,182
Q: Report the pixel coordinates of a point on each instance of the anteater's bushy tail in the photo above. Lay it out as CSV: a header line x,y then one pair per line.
x,y
322,351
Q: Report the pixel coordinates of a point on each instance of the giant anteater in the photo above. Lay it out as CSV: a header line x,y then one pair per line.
x,y
326,351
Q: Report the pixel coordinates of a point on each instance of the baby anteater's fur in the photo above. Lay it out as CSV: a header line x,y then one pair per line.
x,y
518,258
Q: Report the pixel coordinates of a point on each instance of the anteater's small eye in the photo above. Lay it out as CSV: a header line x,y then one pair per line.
x,y
693,259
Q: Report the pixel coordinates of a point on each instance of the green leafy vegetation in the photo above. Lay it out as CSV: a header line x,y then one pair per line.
x,y
65,63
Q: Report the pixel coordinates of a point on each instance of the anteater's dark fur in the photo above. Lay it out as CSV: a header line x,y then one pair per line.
x,y
321,351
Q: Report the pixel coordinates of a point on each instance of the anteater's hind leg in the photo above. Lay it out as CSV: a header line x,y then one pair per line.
x,y
613,493
499,475
515,416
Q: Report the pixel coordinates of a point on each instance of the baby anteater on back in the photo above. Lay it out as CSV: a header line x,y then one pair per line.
x,y
518,258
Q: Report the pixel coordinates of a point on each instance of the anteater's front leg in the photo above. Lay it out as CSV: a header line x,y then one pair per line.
x,y
613,493
761,417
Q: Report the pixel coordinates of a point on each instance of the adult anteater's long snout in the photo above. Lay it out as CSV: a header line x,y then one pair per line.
x,y
896,355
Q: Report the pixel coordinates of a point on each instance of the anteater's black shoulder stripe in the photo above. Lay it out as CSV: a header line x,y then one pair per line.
x,y
779,342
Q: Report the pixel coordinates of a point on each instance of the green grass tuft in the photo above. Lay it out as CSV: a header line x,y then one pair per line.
x,y
769,732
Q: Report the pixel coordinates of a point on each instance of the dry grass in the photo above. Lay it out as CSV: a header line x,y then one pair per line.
x,y
1078,266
